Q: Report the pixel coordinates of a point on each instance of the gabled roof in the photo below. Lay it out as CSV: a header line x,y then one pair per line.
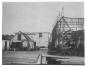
x,y
25,35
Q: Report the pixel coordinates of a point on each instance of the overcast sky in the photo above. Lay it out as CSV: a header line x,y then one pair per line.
x,y
36,17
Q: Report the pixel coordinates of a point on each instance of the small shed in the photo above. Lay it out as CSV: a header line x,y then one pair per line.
x,y
5,44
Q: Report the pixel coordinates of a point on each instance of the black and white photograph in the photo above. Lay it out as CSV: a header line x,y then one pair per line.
x,y
43,33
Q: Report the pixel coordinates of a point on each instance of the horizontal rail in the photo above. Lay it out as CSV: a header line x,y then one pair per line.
x,y
79,60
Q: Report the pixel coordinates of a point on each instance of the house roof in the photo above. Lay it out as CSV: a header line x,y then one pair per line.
x,y
25,35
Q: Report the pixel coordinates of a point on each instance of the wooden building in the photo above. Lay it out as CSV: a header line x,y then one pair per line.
x,y
21,42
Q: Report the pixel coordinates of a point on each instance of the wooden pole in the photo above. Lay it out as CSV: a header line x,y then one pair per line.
x,y
39,60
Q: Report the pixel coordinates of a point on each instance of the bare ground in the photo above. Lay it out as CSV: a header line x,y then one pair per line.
x,y
21,57
28,57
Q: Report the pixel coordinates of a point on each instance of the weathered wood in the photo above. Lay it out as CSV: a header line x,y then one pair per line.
x,y
73,59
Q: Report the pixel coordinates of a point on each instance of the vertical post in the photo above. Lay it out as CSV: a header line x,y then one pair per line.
x,y
39,61
48,37
39,41
40,36
63,11
5,45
